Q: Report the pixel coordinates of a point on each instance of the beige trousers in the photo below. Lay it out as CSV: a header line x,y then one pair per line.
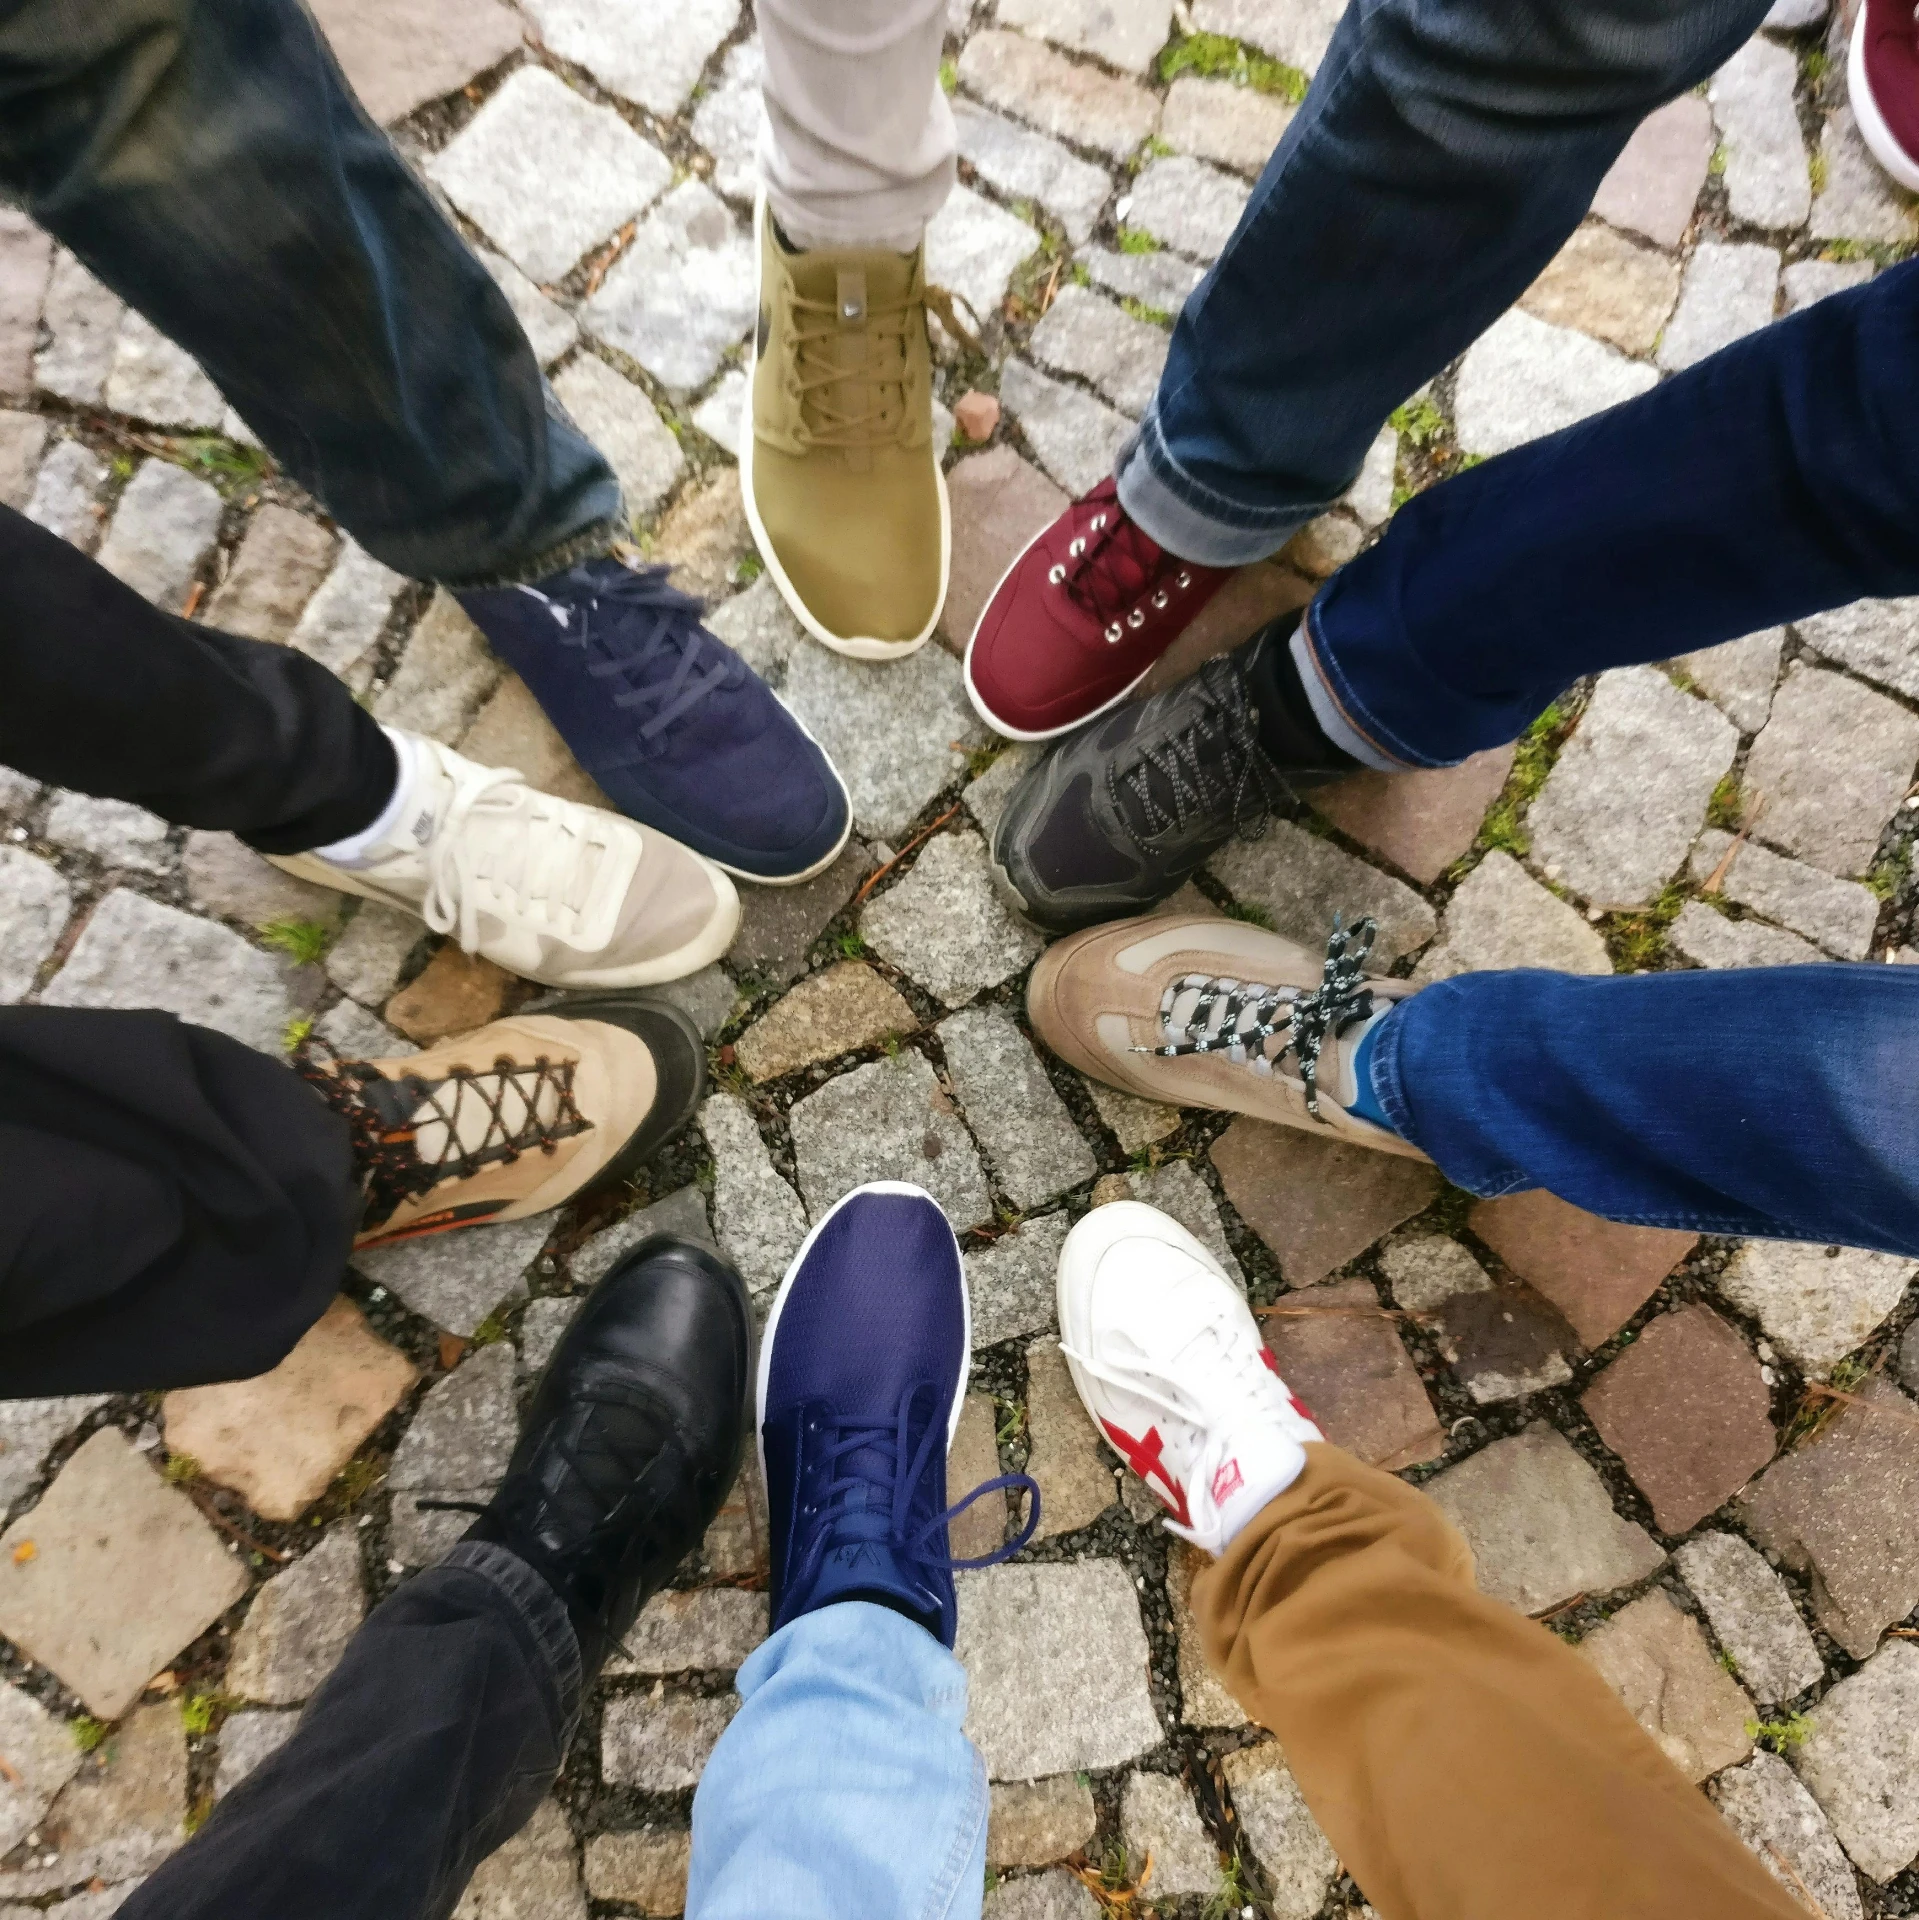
x,y
1464,1762
857,147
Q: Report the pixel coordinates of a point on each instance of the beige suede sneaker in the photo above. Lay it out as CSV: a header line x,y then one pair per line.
x,y
1198,1012
838,468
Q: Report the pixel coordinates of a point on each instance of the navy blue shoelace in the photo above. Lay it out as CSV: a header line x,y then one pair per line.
x,y
655,628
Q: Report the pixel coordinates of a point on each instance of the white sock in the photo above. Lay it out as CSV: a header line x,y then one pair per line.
x,y
354,849
1262,1465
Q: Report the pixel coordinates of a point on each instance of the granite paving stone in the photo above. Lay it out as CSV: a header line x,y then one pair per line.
x,y
1540,1523
1738,676
735,1543
1066,1458
718,416
1160,280
1857,201
888,1120
660,1745
1023,1125
349,611
248,1739
1204,1701
1652,187
1032,166
66,494
123,1573
347,1027
1656,1659
279,567
726,121
648,1869
17,792
456,1280
1073,436
161,531
1524,377
1908,1358
445,676
1235,126
1086,335
1425,1270
38,904
279,1439
26,261
642,50
1322,546
1056,1895
681,1213
1728,292
778,925
1295,32
1421,821
1316,1202
703,536
841,1010
299,1624
1136,1123
1011,1282
1839,914
23,439
42,1756
1806,281
1187,205
973,247
225,876
542,1324
1304,881
534,1876
757,625
1056,1663
1158,1821
1033,1823
456,1449
624,424
551,331
82,322
971,1461
135,952
1816,1303
1765,1805
511,730
1505,1342
1767,181
1840,1510
1752,1616
152,379
399,54
1877,639
1339,1352
1861,1760
1710,939
1371,498
1123,33
946,927
369,957
999,502
1500,916
1686,1409
1598,1273
1299,1860
709,1630
757,1218
1628,794
1059,96
545,174
1176,1189
115,832
1603,284
29,1431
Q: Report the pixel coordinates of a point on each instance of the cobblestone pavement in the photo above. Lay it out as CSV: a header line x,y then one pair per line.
x,y
1630,1426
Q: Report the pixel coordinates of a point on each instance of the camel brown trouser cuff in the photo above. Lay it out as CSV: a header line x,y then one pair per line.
x,y
1464,1763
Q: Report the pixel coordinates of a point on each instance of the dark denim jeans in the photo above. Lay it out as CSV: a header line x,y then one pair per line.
x,y
1770,1101
1778,478
1445,150
207,160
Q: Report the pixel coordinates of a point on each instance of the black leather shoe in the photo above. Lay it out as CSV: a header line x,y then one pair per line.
x,y
633,1438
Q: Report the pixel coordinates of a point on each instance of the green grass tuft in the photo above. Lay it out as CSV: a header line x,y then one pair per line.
x,y
1533,757
1783,1737
1727,807
304,942
1418,421
181,1470
296,1032
949,76
87,1732
1153,316
1637,940
850,944
1137,240
1891,874
1213,56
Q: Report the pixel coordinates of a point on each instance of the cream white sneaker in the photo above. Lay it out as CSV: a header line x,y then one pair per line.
x,y
552,890
1168,1361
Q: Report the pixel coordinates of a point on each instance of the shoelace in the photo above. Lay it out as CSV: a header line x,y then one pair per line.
x,y
848,1494
1238,1017
817,331
384,1119
1214,761
1115,571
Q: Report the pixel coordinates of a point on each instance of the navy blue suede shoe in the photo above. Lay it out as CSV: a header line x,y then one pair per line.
x,y
862,1372
681,733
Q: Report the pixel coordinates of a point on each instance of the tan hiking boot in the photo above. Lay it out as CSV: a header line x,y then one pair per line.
x,y
518,1117
837,463
1198,1012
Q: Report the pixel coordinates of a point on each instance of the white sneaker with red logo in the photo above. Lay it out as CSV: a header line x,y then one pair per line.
x,y
1168,1361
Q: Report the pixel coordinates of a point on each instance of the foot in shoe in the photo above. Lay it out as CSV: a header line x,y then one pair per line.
x,y
1079,618
1200,1012
838,469
569,895
862,1371
633,1438
676,727
1116,818
516,1118
1169,1363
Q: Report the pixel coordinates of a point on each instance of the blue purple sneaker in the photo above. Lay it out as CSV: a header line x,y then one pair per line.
x,y
681,733
862,1373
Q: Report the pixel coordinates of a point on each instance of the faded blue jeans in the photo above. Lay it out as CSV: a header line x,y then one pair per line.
x,y
1444,151
207,160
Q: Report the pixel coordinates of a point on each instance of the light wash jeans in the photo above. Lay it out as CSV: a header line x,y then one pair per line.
x,y
844,1788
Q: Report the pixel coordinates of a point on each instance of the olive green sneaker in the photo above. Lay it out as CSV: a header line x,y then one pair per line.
x,y
837,463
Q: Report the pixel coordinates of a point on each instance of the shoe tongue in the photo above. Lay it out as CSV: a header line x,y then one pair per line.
x,y
818,275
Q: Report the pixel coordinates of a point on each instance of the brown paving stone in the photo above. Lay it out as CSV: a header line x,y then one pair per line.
x,y
1347,1363
999,503
976,415
1685,1409
1596,1272
455,993
1653,184
647,1869
512,731
280,1439
1841,1510
1253,596
278,569
846,1007
735,1543
1203,1699
1505,1342
1422,822
1032,1823
1073,1471
1316,1203
778,925
971,1461
704,537
1603,284
26,263
1657,1660
400,54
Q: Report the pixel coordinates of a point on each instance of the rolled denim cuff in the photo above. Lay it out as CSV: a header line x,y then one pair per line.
x,y
541,1621
1192,520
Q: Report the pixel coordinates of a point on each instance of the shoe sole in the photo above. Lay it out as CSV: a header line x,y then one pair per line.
x,y
1891,156
1006,727
856,647
765,1363
714,938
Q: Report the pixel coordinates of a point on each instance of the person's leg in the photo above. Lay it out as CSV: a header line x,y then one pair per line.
x,y
211,165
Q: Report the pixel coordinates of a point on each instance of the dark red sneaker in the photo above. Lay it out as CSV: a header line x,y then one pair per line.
x,y
1882,76
1078,619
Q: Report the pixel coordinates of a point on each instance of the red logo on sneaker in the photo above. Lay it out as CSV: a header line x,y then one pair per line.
x,y
1227,1482
1143,1456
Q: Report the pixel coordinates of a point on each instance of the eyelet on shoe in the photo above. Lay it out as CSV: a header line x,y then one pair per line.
x,y
1115,633
1159,600
1077,548
1056,574
1136,618
1185,580
1099,521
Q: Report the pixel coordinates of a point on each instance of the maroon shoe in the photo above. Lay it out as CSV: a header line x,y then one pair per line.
x,y
1078,619
1882,76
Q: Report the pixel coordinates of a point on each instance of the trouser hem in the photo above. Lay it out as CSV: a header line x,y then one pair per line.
x,y
538,1610
1190,520
597,540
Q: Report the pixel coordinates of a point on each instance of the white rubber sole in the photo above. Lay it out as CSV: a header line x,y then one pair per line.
x,y
839,846
987,714
765,1365
1891,156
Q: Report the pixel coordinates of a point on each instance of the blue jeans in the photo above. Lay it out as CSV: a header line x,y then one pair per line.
x,y
207,160
844,1782
1445,150
1775,479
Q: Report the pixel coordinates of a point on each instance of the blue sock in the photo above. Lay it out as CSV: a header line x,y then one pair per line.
x,y
1365,1102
